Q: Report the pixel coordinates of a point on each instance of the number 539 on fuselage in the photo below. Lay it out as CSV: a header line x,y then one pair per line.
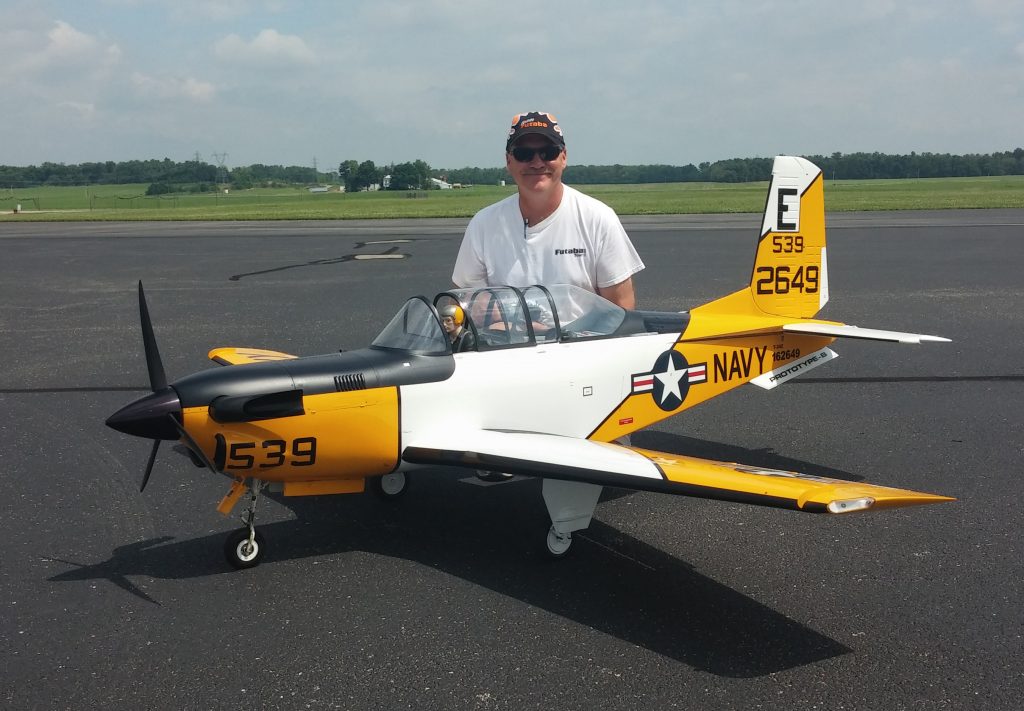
x,y
543,382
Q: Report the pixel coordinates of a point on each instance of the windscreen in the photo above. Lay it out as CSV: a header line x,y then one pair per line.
x,y
415,329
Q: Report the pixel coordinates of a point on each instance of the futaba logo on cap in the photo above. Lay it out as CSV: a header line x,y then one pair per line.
x,y
538,121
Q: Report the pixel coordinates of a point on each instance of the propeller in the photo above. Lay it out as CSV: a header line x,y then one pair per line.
x,y
157,416
152,416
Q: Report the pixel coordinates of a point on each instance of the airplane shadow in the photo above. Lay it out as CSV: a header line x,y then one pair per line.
x,y
492,536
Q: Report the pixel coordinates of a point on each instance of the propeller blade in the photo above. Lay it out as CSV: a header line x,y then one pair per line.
x,y
149,464
157,379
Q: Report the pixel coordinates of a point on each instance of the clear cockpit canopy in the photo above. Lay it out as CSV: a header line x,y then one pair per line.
x,y
503,317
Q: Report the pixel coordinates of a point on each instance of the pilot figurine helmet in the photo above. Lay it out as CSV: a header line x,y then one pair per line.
x,y
452,318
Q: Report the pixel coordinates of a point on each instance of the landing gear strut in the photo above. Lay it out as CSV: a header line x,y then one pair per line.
x,y
245,547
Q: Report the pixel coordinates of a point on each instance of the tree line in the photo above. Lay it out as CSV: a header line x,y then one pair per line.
x,y
197,175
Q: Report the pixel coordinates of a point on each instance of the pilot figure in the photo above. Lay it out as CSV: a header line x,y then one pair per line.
x,y
453,318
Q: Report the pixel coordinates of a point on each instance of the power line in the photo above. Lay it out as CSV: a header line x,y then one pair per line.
x,y
222,172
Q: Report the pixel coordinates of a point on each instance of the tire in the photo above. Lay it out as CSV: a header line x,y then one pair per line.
x,y
235,549
557,547
390,486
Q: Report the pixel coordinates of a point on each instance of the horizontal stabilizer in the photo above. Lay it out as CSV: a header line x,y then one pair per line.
x,y
241,356
571,459
844,331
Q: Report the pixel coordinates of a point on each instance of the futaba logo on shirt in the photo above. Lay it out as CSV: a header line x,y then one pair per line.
x,y
574,251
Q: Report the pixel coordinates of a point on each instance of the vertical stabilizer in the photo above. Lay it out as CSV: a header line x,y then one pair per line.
x,y
790,276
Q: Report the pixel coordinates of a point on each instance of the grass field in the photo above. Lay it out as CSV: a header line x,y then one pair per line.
x,y
129,202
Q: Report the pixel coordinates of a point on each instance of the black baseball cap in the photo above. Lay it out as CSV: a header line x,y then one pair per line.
x,y
538,122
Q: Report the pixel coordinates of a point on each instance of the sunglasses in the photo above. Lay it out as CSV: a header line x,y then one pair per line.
x,y
547,153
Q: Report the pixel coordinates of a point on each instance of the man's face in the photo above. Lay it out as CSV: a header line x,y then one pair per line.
x,y
536,174
449,324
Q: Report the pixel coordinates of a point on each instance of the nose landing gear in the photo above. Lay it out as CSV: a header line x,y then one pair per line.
x,y
245,547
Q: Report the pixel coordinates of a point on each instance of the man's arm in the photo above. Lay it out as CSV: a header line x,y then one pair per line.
x,y
469,268
621,293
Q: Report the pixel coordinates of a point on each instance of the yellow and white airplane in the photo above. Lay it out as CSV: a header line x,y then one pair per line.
x,y
578,374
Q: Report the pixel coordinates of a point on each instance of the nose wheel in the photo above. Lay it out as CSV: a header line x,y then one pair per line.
x,y
245,547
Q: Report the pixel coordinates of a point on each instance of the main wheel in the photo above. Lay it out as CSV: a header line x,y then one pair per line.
x,y
390,486
239,553
558,544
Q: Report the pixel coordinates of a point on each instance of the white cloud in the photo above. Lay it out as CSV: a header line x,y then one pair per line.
x,y
173,88
62,47
269,47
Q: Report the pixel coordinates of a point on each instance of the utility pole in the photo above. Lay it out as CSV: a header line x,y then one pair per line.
x,y
222,172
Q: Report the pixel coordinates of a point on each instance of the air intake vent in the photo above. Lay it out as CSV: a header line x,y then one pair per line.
x,y
350,381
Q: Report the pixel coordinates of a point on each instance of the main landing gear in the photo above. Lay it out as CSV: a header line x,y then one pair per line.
x,y
558,543
245,547
570,505
390,486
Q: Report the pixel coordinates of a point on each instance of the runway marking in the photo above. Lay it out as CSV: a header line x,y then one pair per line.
x,y
360,245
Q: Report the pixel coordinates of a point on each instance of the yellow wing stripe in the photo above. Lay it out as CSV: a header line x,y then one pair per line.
x,y
241,356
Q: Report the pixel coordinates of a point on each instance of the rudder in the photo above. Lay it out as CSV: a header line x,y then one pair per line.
x,y
790,275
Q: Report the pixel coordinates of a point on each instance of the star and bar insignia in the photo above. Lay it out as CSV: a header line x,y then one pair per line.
x,y
670,379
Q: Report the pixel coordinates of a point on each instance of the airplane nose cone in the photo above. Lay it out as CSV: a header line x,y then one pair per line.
x,y
147,416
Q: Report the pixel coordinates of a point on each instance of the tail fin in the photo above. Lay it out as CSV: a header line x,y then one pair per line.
x,y
790,276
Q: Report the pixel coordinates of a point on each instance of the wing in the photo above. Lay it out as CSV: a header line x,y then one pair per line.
x,y
238,356
614,465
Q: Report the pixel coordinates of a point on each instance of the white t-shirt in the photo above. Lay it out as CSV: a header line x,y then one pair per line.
x,y
581,243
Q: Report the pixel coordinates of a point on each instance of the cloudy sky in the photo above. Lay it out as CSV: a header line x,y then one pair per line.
x,y
641,81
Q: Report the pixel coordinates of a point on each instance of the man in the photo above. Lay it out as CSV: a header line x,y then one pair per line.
x,y
548,233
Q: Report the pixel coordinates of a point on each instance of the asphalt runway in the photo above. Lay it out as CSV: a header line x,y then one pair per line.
x,y
117,599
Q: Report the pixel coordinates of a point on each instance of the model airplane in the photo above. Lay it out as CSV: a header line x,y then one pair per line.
x,y
577,374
